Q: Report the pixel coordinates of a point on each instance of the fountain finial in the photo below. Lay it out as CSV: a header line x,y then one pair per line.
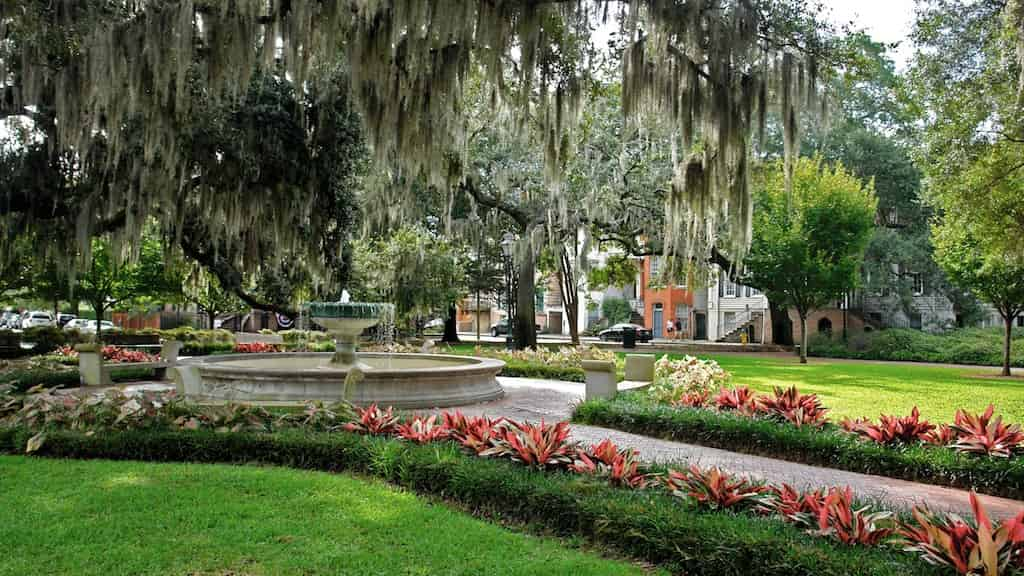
x,y
345,297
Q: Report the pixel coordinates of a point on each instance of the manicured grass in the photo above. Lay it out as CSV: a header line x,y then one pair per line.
x,y
108,518
856,389
861,388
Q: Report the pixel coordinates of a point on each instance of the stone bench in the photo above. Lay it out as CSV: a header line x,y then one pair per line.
x,y
601,381
93,371
639,372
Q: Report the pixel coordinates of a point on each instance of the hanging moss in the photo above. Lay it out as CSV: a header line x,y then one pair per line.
x,y
700,64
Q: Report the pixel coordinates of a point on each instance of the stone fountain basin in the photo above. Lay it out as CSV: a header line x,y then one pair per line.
x,y
401,380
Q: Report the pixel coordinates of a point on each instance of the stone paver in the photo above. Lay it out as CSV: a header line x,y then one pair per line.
x,y
533,400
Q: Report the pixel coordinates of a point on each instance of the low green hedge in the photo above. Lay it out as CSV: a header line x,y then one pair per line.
x,y
206,348
519,369
976,346
828,447
647,525
22,380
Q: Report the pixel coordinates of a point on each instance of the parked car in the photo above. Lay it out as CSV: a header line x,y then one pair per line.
x,y
90,327
63,319
37,318
502,327
77,324
614,334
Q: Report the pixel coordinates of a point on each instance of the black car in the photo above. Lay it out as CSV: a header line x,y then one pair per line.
x,y
614,334
502,327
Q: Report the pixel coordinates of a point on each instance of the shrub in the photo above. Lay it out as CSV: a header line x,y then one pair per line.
x,y
373,420
422,430
715,488
793,506
674,379
891,429
46,339
118,355
837,518
981,346
969,547
741,399
793,407
537,445
472,433
980,434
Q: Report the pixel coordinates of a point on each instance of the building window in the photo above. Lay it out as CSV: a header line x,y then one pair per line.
x,y
730,287
683,315
915,320
918,282
655,266
825,326
1020,321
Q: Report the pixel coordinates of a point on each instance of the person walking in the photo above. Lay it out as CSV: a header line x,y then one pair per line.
x,y
679,329
669,328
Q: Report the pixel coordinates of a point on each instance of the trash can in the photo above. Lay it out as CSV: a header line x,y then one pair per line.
x,y
629,337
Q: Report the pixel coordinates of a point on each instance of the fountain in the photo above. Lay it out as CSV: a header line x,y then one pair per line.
x,y
391,379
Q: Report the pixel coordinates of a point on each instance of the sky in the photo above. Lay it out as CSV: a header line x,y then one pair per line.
x,y
885,20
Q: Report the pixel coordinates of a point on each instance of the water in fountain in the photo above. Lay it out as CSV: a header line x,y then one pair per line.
x,y
386,331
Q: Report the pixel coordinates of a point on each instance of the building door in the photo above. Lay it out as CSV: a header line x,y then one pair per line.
x,y
554,321
659,321
700,329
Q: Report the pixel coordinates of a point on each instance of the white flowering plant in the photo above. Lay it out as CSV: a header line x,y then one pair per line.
x,y
674,379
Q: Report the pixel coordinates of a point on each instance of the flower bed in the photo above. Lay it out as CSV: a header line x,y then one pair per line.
x,y
599,491
256,348
563,363
741,429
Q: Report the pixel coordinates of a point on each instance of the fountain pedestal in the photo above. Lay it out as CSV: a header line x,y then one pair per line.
x,y
346,321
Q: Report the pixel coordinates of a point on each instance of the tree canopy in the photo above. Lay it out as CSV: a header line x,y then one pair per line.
x,y
808,246
117,87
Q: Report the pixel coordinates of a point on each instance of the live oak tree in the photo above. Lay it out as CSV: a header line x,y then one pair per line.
x,y
205,291
88,70
809,244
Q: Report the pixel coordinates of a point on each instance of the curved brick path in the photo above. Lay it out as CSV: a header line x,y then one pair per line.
x,y
529,399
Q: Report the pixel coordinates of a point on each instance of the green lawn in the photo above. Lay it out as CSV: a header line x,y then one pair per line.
x,y
866,388
110,518
862,388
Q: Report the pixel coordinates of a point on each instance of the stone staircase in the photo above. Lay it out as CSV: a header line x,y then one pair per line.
x,y
735,328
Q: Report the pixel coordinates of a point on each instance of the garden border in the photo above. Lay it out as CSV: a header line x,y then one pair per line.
x,y
829,448
646,525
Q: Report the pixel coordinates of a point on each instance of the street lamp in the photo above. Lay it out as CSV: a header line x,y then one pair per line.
x,y
507,242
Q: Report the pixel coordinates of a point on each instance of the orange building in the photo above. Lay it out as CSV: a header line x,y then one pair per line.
x,y
664,304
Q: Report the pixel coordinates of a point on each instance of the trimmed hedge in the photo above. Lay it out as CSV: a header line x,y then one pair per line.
x,y
22,380
648,525
828,447
976,346
517,369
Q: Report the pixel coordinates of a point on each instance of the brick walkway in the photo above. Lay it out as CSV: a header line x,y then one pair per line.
x,y
528,399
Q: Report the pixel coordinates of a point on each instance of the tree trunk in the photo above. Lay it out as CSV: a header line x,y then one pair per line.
x,y
451,328
803,338
1007,336
570,297
99,321
212,316
525,333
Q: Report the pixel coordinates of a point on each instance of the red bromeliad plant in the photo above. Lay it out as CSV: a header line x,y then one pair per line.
x,y
981,434
606,459
473,433
793,407
423,430
373,420
891,429
695,399
540,445
740,399
942,435
256,348
793,506
715,488
969,547
839,519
